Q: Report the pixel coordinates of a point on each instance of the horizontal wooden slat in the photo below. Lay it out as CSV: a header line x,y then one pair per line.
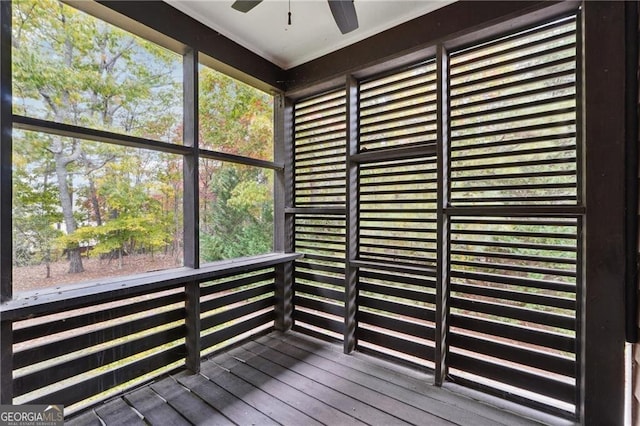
x,y
534,383
515,295
338,270
81,364
336,281
400,278
105,381
393,291
317,305
522,314
35,354
318,321
219,336
421,331
235,297
228,284
98,315
316,290
235,313
394,343
512,353
542,338
421,313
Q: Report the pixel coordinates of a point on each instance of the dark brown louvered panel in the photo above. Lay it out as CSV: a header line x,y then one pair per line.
x,y
396,315
399,109
397,223
319,277
320,194
514,272
513,305
513,119
398,212
319,150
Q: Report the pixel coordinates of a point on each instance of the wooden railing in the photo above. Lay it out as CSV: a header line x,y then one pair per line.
x,y
80,344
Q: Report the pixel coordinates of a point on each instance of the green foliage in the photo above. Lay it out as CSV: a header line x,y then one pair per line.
x,y
241,215
69,67
72,68
34,213
234,117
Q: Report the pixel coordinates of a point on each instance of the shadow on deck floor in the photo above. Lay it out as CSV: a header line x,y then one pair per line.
x,y
292,379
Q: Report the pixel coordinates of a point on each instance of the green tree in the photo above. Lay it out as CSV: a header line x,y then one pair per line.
x,y
74,69
241,215
36,210
135,221
236,217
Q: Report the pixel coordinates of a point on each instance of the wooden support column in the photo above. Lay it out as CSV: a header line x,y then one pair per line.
x,y
443,225
283,198
191,207
6,243
602,310
351,271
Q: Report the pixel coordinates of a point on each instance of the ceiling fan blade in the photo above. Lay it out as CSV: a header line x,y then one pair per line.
x,y
245,5
344,13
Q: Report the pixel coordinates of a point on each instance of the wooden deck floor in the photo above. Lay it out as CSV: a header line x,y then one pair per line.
x,y
291,379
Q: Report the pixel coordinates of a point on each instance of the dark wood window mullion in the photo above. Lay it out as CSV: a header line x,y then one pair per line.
x,y
283,198
6,243
6,246
443,225
351,271
580,195
191,208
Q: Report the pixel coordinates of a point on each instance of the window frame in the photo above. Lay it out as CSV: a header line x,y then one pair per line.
x,y
190,150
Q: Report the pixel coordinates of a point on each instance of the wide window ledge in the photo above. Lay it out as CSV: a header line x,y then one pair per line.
x,y
67,297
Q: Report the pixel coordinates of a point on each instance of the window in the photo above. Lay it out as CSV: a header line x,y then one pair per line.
x,y
71,68
98,154
236,187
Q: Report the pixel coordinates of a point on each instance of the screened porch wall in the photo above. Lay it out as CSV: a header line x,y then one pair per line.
x,y
465,210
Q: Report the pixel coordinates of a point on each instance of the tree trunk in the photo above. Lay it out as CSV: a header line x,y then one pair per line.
x,y
94,201
66,202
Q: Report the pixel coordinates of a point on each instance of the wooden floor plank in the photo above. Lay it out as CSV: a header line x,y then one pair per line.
x,y
154,409
192,408
402,376
88,418
274,408
391,389
314,408
293,379
405,377
117,413
326,394
372,397
233,408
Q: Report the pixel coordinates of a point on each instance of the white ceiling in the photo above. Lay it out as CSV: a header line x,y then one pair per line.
x,y
313,32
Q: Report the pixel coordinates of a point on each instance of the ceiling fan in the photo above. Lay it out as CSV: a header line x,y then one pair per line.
x,y
344,12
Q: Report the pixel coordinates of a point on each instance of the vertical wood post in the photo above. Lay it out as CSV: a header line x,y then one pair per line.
x,y
631,168
443,225
352,208
602,338
6,243
283,198
191,207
